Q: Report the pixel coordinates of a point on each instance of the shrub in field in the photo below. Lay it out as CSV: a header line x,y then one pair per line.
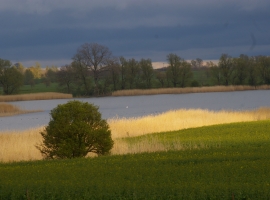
x,y
75,129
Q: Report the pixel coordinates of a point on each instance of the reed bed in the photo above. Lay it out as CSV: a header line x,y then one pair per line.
x,y
9,109
20,145
135,92
34,96
181,119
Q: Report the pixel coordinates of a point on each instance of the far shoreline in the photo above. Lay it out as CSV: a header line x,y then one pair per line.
x,y
133,92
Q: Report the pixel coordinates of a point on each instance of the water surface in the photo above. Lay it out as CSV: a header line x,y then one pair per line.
x,y
135,106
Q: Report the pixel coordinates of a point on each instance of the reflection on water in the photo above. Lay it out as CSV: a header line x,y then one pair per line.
x,y
135,106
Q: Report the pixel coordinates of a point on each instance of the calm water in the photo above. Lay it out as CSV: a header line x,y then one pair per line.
x,y
134,106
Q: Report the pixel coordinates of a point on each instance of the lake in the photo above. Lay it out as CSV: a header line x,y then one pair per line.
x,y
136,106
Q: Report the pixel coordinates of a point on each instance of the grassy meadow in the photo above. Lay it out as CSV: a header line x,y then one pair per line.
x,y
20,145
134,92
228,161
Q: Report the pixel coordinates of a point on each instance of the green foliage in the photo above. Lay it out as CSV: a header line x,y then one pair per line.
x,y
11,79
179,71
194,83
147,72
75,129
237,168
29,78
39,87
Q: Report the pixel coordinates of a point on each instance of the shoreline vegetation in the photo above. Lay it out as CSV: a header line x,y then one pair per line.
x,y
231,88
9,109
20,145
34,96
134,92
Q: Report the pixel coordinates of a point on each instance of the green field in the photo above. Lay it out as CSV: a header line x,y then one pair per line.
x,y
37,88
40,87
217,162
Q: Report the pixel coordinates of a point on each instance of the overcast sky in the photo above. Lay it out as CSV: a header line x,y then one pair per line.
x,y
51,31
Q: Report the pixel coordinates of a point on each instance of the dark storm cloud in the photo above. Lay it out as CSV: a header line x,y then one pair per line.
x,y
53,30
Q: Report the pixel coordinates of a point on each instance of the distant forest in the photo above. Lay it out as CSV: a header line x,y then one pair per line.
x,y
95,71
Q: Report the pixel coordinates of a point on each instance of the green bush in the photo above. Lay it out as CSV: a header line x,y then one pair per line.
x,y
75,129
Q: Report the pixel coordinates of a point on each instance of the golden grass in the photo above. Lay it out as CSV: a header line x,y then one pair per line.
x,y
135,92
20,145
34,96
17,146
9,109
181,119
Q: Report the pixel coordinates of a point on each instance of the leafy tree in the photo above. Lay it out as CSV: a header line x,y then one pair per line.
x,y
29,78
10,78
215,73
20,67
185,74
226,66
241,65
161,77
50,73
263,63
75,129
178,71
133,71
37,71
123,72
147,72
253,77
173,70
114,72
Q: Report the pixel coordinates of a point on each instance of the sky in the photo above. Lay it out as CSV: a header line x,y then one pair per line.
x,y
51,31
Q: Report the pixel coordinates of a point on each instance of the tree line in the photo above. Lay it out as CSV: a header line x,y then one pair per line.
x,y
95,71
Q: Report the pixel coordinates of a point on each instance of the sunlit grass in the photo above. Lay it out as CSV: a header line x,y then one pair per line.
x,y
135,92
20,145
229,161
34,96
181,119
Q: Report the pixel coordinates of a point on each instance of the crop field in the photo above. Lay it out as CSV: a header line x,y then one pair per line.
x,y
228,161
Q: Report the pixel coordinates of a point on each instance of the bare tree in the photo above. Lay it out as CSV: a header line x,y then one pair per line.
x,y
65,77
197,63
81,73
94,57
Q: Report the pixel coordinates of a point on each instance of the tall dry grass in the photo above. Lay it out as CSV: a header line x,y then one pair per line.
x,y
9,109
135,92
20,145
181,119
17,146
34,96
